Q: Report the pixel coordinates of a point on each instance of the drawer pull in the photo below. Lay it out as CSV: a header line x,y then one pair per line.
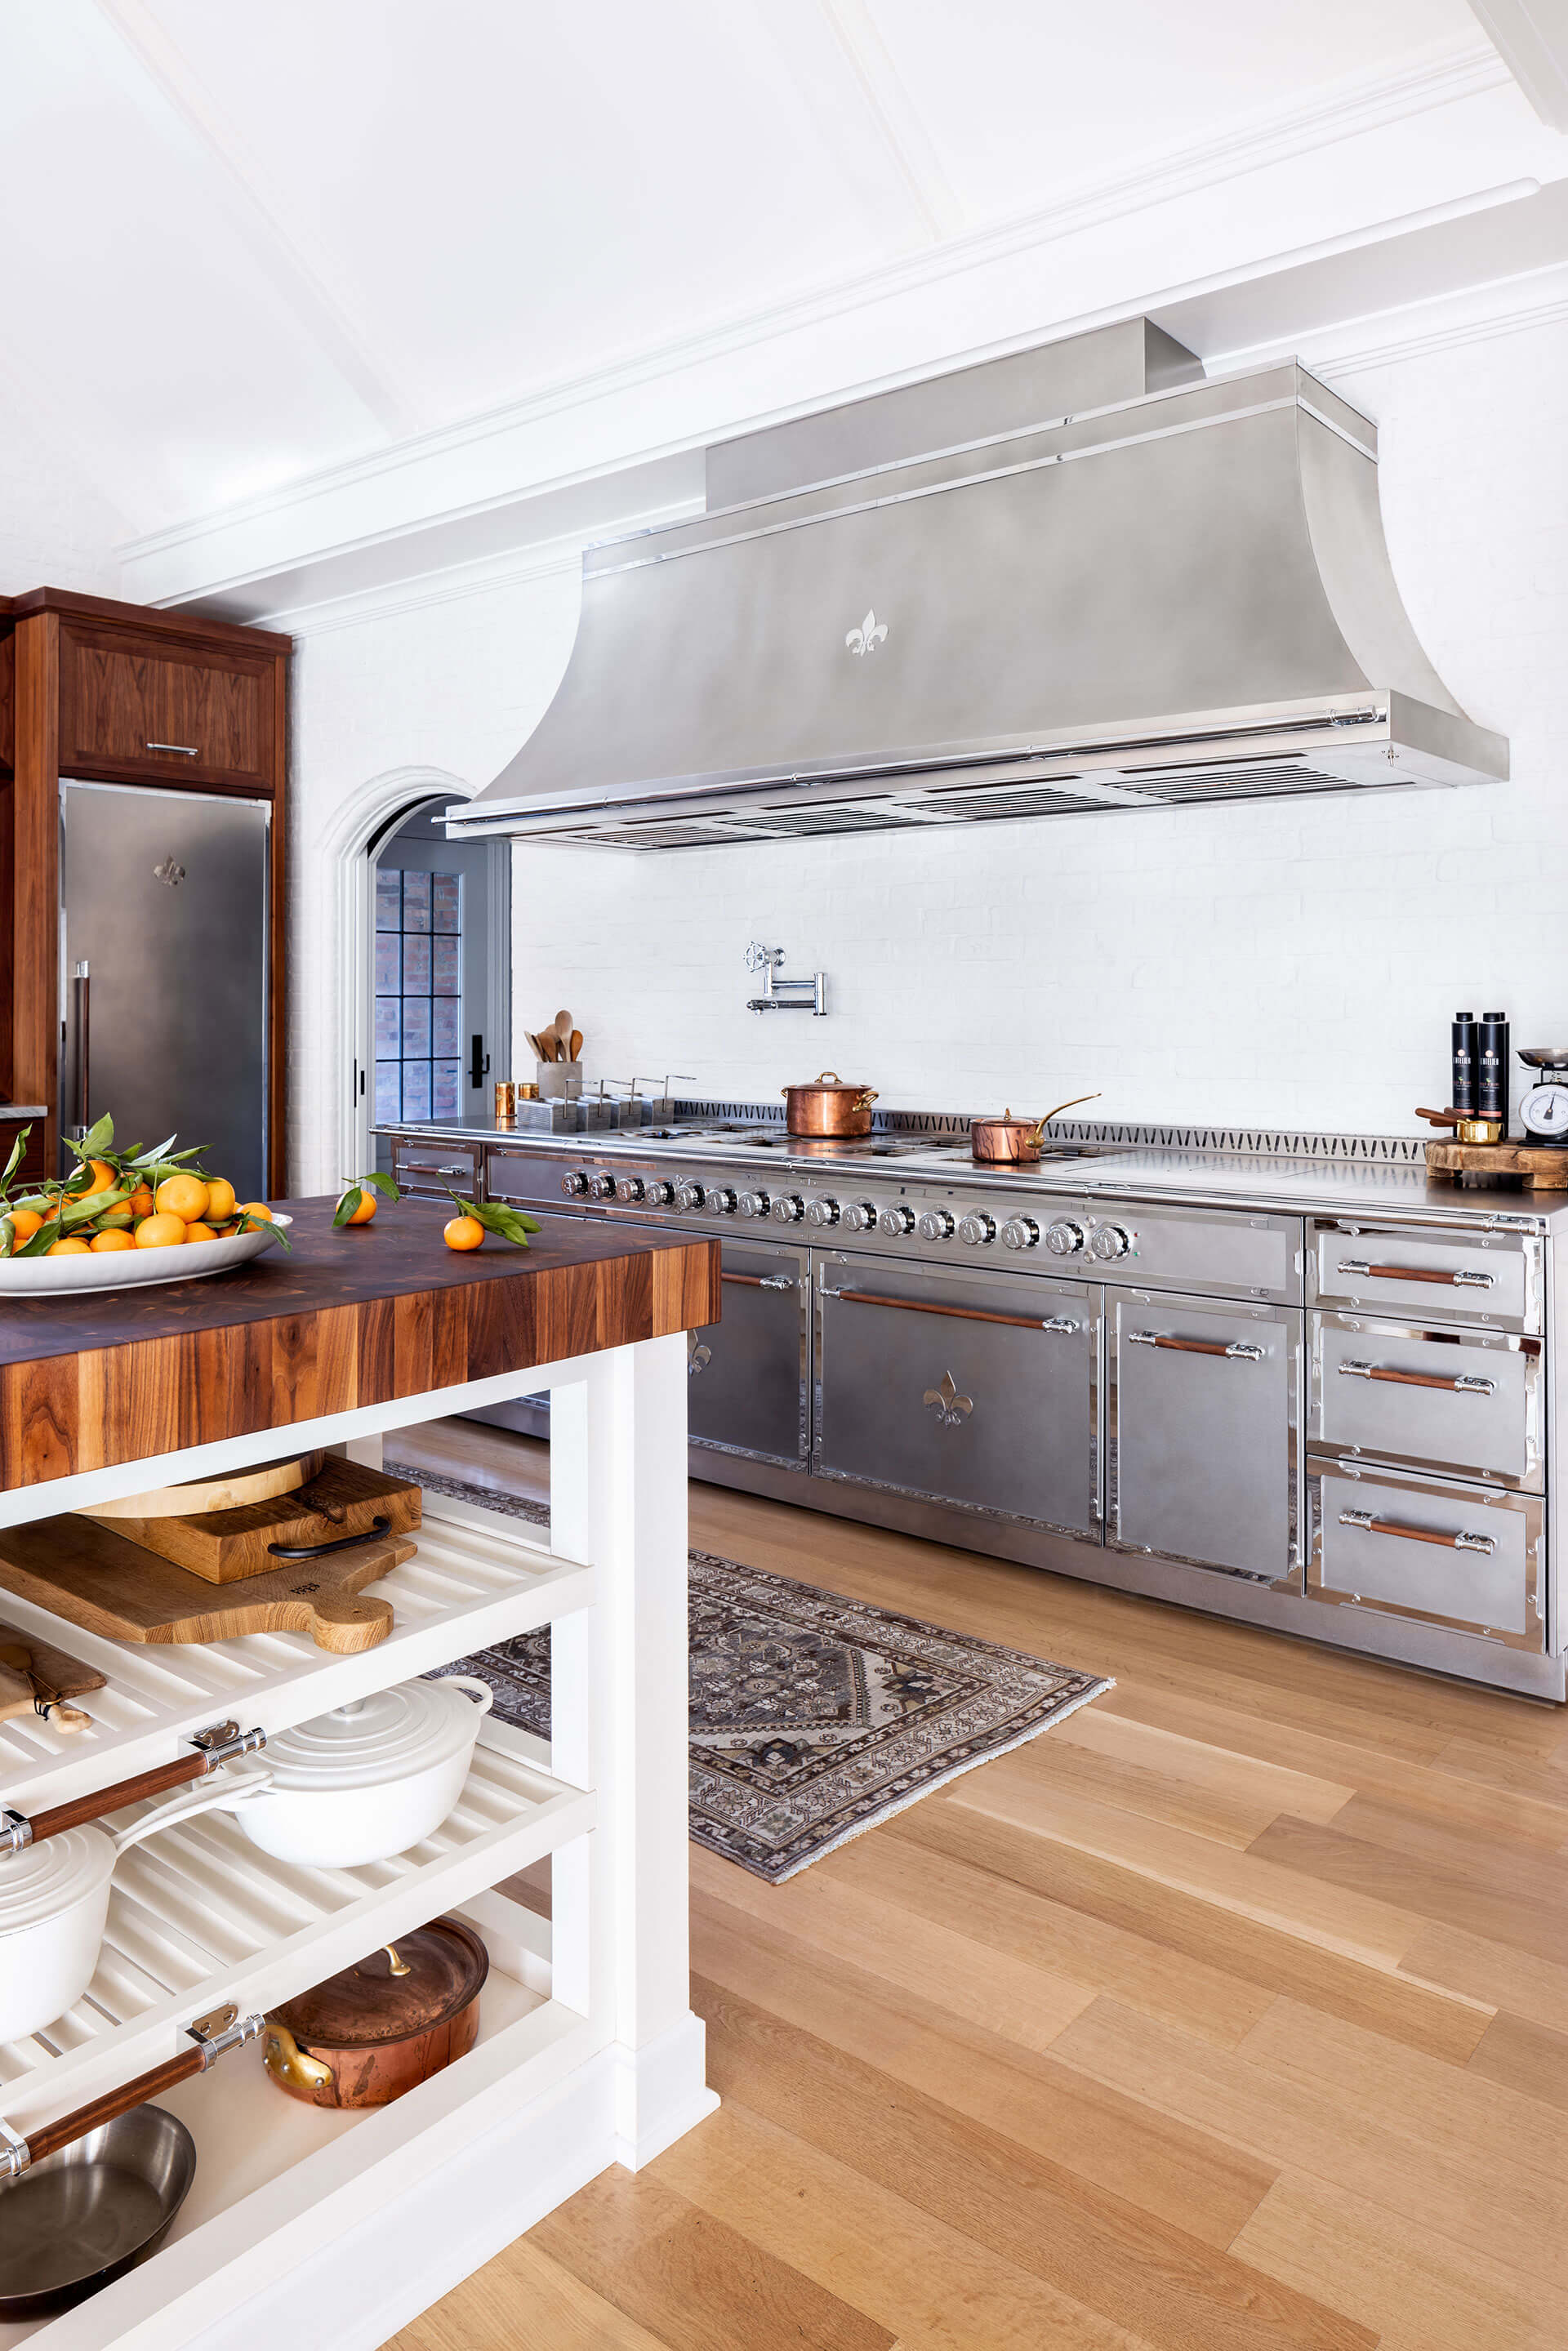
x,y
423,1167
184,750
762,1280
1240,1351
959,1313
1369,1525
1463,1277
1452,1383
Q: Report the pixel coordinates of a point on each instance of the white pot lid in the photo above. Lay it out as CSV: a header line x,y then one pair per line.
x,y
386,1737
42,1880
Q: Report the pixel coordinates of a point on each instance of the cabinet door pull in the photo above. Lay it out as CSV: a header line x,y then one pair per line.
x,y
1368,1525
1452,1383
1461,1278
423,1167
182,750
1240,1351
762,1280
959,1313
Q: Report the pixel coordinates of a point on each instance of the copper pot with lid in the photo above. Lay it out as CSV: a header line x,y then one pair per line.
x,y
827,1106
384,2025
1010,1142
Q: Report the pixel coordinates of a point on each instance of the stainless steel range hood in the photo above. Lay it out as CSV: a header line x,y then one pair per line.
x,y
934,607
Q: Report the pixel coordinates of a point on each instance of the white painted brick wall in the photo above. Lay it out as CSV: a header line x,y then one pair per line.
x,y
1294,963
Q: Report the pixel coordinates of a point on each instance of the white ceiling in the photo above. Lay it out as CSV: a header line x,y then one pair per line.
x,y
249,246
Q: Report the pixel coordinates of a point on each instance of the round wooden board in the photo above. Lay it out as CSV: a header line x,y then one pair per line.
x,y
232,1492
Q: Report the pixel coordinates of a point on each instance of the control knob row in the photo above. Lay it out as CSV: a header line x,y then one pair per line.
x,y
630,1190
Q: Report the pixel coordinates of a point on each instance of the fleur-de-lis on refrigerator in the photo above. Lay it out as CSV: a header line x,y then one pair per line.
x,y
949,1406
867,637
698,1357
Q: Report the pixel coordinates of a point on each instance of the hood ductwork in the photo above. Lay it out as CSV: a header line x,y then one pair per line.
x,y
932,608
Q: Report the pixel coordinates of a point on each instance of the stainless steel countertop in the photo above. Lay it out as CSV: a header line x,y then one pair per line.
x,y
1336,1187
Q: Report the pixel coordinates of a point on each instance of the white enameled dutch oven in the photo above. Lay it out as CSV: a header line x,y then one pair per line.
x,y
54,1900
367,1781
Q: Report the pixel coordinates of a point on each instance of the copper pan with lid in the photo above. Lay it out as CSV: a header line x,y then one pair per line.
x,y
1010,1142
827,1106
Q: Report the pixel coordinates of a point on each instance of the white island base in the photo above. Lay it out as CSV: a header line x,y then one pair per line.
x,y
307,2228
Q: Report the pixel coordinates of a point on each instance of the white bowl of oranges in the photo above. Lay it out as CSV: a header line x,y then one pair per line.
x,y
123,1220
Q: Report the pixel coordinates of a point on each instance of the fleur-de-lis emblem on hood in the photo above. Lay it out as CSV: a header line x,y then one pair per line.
x,y
867,637
949,1406
698,1357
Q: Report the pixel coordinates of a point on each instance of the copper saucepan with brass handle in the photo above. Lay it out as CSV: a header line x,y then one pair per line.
x,y
828,1107
1010,1142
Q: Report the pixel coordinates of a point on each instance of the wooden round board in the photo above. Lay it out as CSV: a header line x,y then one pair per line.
x,y
235,1491
1538,1168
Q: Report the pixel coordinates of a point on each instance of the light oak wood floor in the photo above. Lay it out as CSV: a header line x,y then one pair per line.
x,y
1230,2015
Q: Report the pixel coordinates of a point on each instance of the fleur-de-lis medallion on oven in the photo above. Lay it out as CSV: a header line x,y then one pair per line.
x,y
698,1357
950,1408
867,637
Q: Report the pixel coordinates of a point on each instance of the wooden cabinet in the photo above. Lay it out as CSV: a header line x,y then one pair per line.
x,y
138,705
111,693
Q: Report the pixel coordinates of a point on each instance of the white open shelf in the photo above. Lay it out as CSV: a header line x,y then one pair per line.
x,y
480,1577
198,1916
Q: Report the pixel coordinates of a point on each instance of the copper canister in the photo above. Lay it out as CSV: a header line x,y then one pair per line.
x,y
505,1102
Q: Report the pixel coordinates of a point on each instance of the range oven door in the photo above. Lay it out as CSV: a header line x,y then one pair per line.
x,y
974,1389
748,1374
1201,1452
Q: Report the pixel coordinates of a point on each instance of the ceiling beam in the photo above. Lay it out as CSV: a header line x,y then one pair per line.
x,y
1532,39
895,118
298,283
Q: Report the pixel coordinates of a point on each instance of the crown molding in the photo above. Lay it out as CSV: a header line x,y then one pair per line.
x,y
438,473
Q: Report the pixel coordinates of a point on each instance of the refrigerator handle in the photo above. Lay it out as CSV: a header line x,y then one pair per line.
x,y
82,984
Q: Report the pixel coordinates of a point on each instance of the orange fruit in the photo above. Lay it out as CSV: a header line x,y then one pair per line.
x,y
72,1248
256,1208
163,1231
115,1238
96,1176
25,1223
140,1201
220,1200
366,1209
182,1195
200,1231
463,1233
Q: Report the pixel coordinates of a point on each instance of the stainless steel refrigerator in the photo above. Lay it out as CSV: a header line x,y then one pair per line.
x,y
163,971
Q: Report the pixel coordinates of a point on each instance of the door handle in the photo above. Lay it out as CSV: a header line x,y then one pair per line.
x,y
1461,1278
83,986
1369,1525
478,1062
1453,1384
1240,1351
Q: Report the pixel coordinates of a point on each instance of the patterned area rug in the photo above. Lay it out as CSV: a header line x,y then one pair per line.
x,y
812,1717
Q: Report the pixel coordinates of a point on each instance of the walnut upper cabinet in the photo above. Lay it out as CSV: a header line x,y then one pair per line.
x,y
133,705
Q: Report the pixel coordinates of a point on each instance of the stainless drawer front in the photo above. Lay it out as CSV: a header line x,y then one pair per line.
x,y
1446,1278
747,1386
1203,1450
991,1404
1250,1256
1481,1413
431,1170
531,1182
1467,1559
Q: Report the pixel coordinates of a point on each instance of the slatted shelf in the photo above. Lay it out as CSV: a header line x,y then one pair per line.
x,y
199,1916
478,1578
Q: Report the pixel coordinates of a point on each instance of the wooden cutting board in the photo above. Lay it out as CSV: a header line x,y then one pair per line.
x,y
225,1546
56,1668
226,1493
1535,1166
92,1576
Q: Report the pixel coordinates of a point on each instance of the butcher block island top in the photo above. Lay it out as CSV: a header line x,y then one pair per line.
x,y
350,1319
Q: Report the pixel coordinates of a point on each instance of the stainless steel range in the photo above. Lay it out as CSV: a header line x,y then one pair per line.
x,y
1311,1395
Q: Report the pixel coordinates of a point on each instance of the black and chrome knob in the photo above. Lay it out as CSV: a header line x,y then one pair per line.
x,y
935,1225
721,1201
977,1229
1064,1238
859,1216
788,1209
574,1185
629,1189
896,1221
753,1204
688,1195
601,1188
659,1195
822,1212
1021,1233
1108,1242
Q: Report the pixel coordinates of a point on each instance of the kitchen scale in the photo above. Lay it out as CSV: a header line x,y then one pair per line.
x,y
1545,1109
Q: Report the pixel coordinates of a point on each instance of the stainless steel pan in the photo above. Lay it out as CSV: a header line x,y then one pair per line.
x,y
83,2217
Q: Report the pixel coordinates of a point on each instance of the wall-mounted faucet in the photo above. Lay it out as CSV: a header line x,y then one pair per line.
x,y
784,994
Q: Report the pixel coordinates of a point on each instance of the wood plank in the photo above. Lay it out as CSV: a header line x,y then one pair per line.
x,y
1248,1783
482,2313
1459,1961
1526,2057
